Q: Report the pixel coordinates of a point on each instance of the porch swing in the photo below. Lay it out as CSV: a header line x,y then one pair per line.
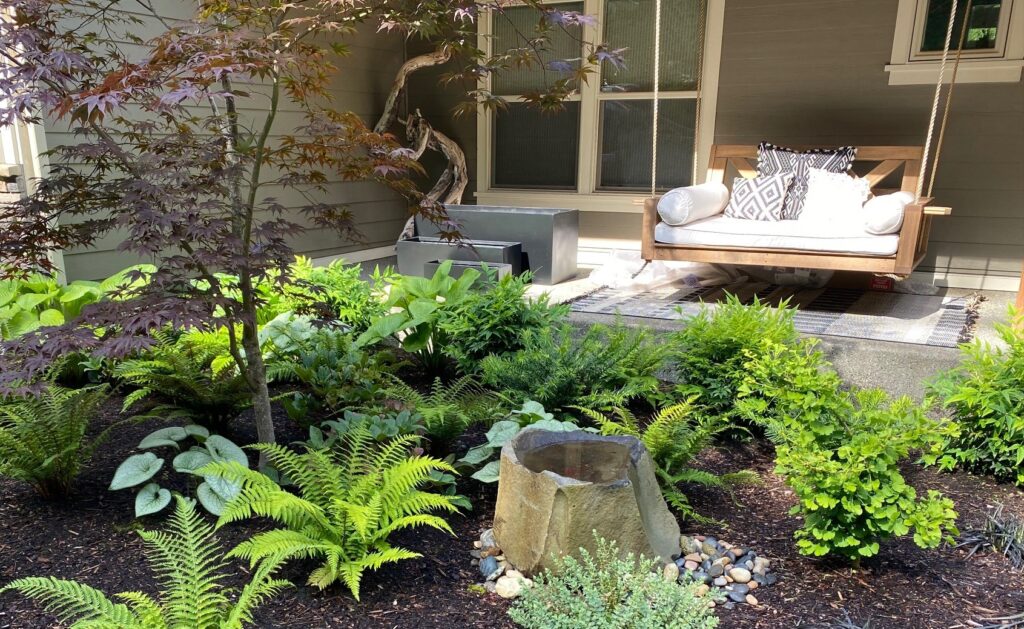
x,y
909,162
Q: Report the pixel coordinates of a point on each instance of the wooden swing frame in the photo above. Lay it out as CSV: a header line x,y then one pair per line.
x,y
913,236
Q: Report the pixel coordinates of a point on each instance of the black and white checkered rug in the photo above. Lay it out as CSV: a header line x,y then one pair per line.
x,y
934,320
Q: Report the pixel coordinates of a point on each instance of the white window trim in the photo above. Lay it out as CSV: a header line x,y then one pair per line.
x,y
587,197
909,66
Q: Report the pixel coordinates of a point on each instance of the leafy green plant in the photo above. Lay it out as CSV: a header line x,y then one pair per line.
x,y
606,591
492,321
190,570
41,300
381,427
709,354
673,437
416,305
840,451
531,415
42,437
179,370
447,410
351,498
985,394
347,297
602,368
213,492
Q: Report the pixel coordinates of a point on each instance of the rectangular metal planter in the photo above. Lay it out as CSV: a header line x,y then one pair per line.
x,y
415,253
549,236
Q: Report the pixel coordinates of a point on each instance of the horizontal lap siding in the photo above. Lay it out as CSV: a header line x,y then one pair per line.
x,y
812,72
361,86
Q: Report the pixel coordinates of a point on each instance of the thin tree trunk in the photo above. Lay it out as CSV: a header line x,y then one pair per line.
x,y
260,392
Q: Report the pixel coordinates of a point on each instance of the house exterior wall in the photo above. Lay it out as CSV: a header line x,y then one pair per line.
x,y
361,86
812,72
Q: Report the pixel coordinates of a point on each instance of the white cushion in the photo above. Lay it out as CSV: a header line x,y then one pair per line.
x,y
685,205
725,231
834,197
884,214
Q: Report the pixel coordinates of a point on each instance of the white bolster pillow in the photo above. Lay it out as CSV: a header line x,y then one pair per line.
x,y
680,206
884,214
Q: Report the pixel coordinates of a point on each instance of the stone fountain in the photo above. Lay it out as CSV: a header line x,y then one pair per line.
x,y
557,488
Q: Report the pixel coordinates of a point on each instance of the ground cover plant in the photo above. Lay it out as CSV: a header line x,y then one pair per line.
x,y
43,437
985,394
189,566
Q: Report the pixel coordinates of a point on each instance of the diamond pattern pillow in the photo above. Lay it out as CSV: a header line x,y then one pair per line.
x,y
759,199
775,160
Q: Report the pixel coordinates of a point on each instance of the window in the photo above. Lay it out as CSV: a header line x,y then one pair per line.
x,y
599,144
993,48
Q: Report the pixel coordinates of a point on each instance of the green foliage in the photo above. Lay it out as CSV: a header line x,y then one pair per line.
x,y
351,498
212,492
190,570
418,304
179,371
337,373
348,298
710,353
492,321
606,591
985,394
41,300
673,437
602,368
42,438
531,415
447,410
381,427
840,451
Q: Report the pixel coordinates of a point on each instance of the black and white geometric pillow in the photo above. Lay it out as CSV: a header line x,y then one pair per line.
x,y
775,160
759,199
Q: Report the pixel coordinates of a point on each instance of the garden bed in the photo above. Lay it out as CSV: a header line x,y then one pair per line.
x,y
91,538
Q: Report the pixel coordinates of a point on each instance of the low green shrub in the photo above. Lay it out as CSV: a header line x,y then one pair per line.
x,y
492,321
348,298
604,591
985,395
602,368
151,498
709,354
42,437
190,570
350,499
840,451
447,409
382,427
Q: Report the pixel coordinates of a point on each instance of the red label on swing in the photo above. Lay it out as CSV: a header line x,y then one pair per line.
x,y
882,283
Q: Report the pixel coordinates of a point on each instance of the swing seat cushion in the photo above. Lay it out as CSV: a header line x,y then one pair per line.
x,y
728,232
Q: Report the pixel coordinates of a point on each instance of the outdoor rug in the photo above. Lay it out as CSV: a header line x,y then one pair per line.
x,y
935,320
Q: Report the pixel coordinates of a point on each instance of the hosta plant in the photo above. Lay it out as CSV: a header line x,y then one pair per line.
x,y
190,570
606,590
139,470
349,500
673,437
985,394
43,437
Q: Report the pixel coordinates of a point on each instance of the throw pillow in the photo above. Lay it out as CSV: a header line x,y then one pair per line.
x,y
834,198
884,214
759,199
774,160
685,205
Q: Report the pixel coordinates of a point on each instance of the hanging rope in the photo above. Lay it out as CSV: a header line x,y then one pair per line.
x,y
701,20
935,101
657,81
949,96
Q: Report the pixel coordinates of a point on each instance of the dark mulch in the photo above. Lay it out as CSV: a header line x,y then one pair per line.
x,y
91,538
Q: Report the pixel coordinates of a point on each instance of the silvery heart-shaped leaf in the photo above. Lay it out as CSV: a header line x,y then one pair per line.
x,y
488,473
151,499
136,470
224,488
210,500
197,431
163,437
189,462
222,449
501,432
477,455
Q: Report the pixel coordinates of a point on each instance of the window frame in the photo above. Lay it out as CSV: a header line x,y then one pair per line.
x,y
909,65
588,195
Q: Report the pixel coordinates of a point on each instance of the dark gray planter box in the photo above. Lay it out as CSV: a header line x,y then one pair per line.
x,y
549,236
415,253
459,267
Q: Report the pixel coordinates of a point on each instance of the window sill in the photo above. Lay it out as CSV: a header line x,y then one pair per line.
x,y
594,202
971,71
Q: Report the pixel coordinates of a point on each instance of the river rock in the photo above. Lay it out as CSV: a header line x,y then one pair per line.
x,y
751,599
670,572
691,565
740,575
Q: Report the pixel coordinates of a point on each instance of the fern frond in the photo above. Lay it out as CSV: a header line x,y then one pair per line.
x,y
74,602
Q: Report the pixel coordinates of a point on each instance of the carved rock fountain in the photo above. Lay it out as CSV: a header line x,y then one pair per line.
x,y
557,488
